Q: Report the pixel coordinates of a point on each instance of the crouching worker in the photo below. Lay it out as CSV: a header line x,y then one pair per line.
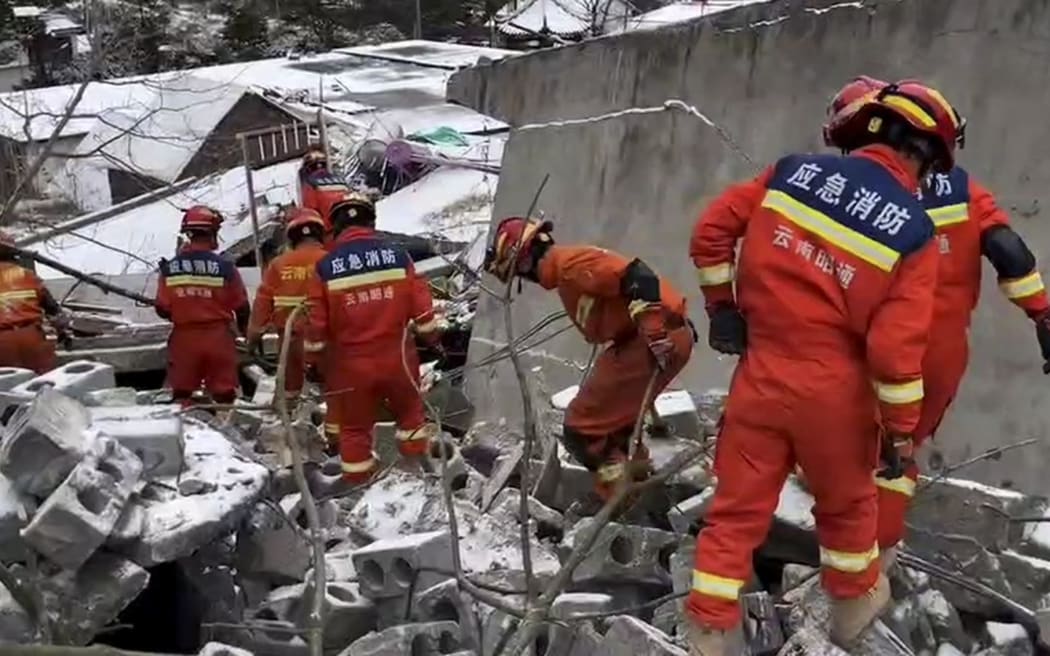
x,y
613,299
24,302
364,296
284,287
203,296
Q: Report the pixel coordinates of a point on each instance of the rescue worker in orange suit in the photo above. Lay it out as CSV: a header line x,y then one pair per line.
x,y
319,188
613,299
24,302
969,223
364,297
202,294
284,287
831,309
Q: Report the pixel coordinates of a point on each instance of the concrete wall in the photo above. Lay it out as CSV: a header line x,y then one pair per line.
x,y
764,73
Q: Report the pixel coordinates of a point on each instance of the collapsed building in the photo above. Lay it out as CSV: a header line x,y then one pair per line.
x,y
127,522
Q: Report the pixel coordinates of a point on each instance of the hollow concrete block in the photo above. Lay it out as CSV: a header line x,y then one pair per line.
x,y
158,442
388,568
43,442
74,379
12,377
625,553
432,639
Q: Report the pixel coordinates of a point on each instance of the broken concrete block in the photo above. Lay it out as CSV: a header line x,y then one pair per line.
x,y
220,649
417,639
810,641
12,377
624,553
905,619
548,520
158,442
445,602
506,466
339,566
269,545
794,575
278,639
685,516
669,617
15,509
16,627
175,525
630,636
74,379
388,568
282,604
347,614
43,442
709,406
1008,639
129,527
944,619
561,637
562,399
948,649
116,397
265,389
761,624
677,411
80,514
457,466
81,603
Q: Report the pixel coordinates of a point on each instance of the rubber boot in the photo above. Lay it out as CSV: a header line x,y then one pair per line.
x,y
888,558
706,642
851,617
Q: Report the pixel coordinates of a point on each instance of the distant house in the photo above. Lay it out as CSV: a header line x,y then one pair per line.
x,y
49,39
564,20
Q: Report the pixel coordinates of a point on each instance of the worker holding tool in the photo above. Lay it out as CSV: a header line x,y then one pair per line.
x,y
319,188
364,297
284,287
24,302
831,311
202,294
969,223
613,299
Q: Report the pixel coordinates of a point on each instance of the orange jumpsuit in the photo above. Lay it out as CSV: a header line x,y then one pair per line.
x,y
284,286
364,294
962,210
319,191
201,293
835,282
23,301
588,280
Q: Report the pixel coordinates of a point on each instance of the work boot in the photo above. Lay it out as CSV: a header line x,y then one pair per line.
x,y
887,559
851,617
703,641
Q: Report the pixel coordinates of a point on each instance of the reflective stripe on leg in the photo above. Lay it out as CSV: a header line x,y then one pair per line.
x,y
903,485
850,562
717,586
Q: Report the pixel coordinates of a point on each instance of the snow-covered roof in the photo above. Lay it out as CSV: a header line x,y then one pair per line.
x,y
352,82
432,53
56,23
26,11
561,17
683,11
455,203
133,242
159,137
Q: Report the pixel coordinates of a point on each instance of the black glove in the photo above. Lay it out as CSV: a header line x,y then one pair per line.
x,y
728,331
1042,333
896,454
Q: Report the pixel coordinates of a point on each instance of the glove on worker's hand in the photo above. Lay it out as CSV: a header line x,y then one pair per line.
x,y
728,331
1042,333
896,453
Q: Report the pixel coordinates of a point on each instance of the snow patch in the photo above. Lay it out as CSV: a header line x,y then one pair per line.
x,y
796,506
562,399
1004,634
999,492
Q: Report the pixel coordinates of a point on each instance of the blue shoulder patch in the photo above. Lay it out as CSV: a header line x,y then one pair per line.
x,y
361,256
952,188
857,194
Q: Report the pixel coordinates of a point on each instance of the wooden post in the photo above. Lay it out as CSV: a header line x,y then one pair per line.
x,y
251,204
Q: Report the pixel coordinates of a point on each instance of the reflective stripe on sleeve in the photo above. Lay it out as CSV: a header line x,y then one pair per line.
x,y
358,467
899,393
313,347
902,485
713,585
949,214
851,562
715,275
611,472
288,301
1021,287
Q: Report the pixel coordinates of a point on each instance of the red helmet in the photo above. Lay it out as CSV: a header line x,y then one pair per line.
x,y
201,217
844,103
513,244
920,107
305,221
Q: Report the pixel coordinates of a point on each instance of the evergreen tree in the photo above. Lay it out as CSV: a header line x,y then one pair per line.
x,y
245,32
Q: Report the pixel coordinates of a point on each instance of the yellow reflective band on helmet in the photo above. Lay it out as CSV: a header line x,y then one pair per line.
x,y
370,278
718,274
899,393
945,105
713,585
358,467
610,472
288,301
824,226
851,562
902,485
911,108
949,214
1021,287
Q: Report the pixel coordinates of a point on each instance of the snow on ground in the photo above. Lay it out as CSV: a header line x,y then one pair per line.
x,y
457,203
796,506
1004,634
683,11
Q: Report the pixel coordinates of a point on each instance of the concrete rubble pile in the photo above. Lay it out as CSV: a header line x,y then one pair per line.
x,y
98,487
